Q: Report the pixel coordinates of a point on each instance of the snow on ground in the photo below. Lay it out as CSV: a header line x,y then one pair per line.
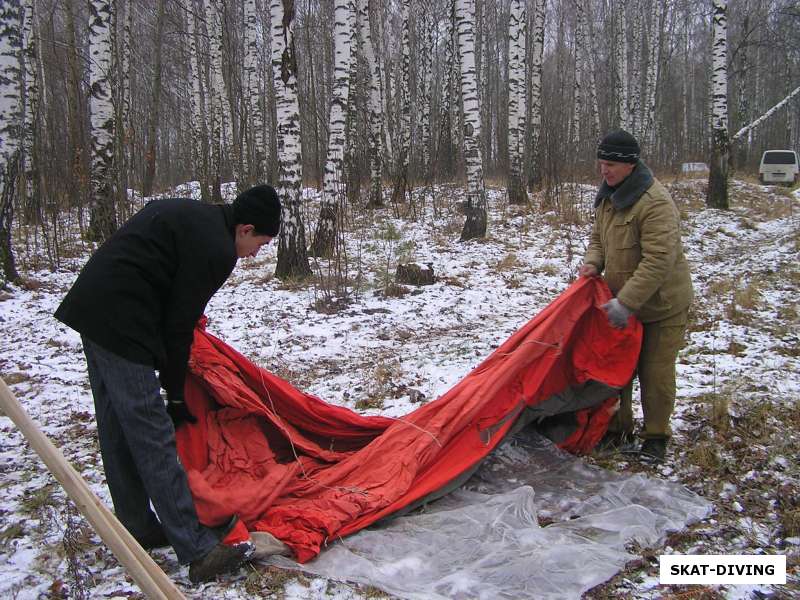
x,y
737,422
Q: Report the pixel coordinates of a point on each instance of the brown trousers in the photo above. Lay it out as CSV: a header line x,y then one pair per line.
x,y
656,372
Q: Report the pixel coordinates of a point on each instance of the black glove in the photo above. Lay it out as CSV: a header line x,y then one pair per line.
x,y
179,412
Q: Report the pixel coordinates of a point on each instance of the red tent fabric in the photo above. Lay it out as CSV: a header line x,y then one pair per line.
x,y
307,471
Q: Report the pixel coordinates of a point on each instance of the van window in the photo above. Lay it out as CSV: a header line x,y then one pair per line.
x,y
779,158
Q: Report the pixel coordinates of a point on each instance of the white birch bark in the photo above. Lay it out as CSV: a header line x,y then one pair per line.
x,y
255,96
539,7
424,87
590,64
101,111
475,223
374,106
517,95
10,131
333,188
401,186
577,107
198,123
717,195
648,118
747,129
292,255
635,9
123,135
621,57
218,125
30,92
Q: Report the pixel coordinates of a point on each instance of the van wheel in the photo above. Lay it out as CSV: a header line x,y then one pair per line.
x,y
761,179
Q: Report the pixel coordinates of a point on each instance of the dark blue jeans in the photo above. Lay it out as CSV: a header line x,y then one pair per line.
x,y
137,443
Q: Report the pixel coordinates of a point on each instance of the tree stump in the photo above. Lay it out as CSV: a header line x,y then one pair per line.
x,y
414,274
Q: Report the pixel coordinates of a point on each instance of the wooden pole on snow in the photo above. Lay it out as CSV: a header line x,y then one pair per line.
x,y
147,574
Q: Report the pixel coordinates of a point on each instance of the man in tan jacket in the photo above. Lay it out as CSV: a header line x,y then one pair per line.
x,y
636,245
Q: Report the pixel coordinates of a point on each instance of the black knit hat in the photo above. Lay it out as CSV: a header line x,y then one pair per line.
x,y
619,146
259,206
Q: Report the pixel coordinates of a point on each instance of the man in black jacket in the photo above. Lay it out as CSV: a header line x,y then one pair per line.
x,y
135,304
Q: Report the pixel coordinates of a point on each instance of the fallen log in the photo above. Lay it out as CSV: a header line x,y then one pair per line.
x,y
153,582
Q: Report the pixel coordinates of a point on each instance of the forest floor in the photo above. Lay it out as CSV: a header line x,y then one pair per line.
x,y
354,337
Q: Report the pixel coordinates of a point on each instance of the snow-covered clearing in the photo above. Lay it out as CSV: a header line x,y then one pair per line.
x,y
737,422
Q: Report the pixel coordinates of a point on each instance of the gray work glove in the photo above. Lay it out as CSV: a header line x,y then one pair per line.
x,y
617,313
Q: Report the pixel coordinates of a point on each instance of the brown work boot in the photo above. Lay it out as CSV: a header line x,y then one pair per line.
x,y
222,559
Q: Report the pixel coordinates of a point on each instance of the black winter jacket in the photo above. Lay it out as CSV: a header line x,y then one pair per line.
x,y
141,293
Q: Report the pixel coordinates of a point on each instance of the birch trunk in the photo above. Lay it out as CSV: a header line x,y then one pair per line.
x,y
122,106
447,143
101,110
635,84
717,195
424,87
747,129
29,198
217,120
200,137
475,208
292,255
517,95
653,73
333,188
255,97
621,58
401,183
590,63
374,106
577,106
10,131
533,174
154,113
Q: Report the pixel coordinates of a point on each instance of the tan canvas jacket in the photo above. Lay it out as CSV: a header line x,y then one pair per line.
x,y
636,245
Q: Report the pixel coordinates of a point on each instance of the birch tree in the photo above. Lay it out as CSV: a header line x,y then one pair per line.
x,y
122,105
760,120
30,93
374,106
154,113
401,184
475,207
517,95
535,119
255,97
717,195
292,255
218,125
199,123
10,130
425,46
333,191
648,119
101,110
577,92
621,59
589,49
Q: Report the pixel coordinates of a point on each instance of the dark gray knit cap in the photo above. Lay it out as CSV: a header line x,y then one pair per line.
x,y
259,206
619,146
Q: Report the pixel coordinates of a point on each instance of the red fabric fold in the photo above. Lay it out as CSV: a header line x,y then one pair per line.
x,y
307,471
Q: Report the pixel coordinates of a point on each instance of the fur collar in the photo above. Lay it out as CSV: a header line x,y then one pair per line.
x,y
629,191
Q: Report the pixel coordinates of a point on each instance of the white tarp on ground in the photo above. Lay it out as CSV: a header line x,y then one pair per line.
x,y
484,540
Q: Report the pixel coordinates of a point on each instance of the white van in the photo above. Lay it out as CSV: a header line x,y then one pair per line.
x,y
778,166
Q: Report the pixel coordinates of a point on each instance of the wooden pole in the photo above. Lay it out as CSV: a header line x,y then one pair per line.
x,y
147,574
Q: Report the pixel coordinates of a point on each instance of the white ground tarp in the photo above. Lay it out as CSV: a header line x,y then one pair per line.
x,y
484,540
